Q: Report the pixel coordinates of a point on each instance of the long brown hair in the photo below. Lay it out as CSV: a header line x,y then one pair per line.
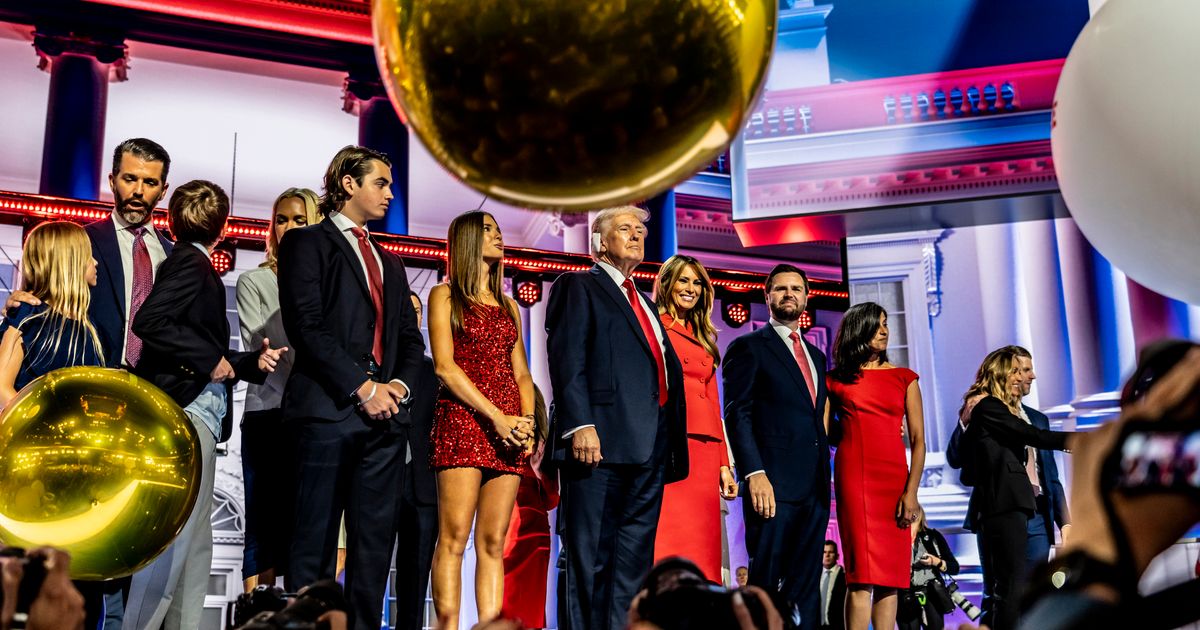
x,y
700,316
54,263
464,254
992,379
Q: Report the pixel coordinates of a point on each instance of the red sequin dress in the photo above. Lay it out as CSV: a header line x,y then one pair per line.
x,y
461,437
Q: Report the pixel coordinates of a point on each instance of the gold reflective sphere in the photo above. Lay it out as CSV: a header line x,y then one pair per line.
x,y
97,462
574,104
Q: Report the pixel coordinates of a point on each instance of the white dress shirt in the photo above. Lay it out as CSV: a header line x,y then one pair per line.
x,y
785,334
345,225
651,314
125,239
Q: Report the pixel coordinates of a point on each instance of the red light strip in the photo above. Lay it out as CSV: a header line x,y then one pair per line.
x,y
254,231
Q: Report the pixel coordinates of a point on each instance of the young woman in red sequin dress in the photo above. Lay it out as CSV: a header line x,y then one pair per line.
x,y
483,426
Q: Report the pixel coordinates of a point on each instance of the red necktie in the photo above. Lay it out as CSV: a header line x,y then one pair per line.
x,y
805,369
376,282
644,320
143,281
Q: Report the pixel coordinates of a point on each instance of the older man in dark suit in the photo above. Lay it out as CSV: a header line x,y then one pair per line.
x,y
618,432
775,415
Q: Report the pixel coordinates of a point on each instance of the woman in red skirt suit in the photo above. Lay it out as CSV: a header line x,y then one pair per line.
x,y
483,423
690,522
876,489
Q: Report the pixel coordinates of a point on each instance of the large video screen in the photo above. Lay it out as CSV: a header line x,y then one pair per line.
x,y
885,104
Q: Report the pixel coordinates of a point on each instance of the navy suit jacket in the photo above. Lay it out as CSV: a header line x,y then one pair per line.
x,y
603,373
185,332
330,322
107,310
1056,512
774,425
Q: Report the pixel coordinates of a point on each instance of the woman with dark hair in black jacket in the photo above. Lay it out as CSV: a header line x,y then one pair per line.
x,y
932,559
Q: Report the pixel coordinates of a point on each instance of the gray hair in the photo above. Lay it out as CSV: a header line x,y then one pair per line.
x,y
604,220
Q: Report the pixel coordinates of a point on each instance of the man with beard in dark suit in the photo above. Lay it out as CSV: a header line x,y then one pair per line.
x,y
775,415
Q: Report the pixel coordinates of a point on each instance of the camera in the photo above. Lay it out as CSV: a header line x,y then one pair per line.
x,y
694,603
967,606
267,607
34,573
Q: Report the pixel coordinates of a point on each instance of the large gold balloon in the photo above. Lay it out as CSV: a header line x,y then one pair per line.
x,y
100,463
574,104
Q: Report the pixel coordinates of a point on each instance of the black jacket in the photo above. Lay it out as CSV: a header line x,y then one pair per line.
x,y
994,458
603,373
185,332
773,424
330,322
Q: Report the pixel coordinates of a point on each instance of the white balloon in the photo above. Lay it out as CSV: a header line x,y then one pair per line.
x,y
1126,140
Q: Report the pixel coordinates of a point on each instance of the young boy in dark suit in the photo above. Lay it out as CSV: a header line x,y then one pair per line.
x,y
185,352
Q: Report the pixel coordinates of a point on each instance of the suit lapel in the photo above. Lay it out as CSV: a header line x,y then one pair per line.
x,y
108,252
610,289
779,348
340,242
393,270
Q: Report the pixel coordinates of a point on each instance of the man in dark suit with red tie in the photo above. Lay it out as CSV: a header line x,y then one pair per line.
x,y
774,413
129,250
618,432
347,313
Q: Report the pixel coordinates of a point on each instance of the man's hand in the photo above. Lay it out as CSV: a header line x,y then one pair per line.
x,y
585,446
398,391
17,298
376,401
729,487
970,406
58,604
268,357
1065,530
223,371
762,495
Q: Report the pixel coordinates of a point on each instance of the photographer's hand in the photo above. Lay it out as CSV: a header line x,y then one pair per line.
x,y
58,605
742,613
1159,519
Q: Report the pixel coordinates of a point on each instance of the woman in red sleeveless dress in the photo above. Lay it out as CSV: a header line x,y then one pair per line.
x,y
483,425
690,522
876,489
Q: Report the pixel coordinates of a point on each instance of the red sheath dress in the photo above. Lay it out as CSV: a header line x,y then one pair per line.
x,y
870,471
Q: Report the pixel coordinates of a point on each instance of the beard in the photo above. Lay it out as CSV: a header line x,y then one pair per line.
x,y
786,311
135,210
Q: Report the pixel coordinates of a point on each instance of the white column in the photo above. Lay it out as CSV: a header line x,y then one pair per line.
x,y
1045,317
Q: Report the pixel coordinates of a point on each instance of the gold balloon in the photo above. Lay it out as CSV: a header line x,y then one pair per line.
x,y
574,104
100,463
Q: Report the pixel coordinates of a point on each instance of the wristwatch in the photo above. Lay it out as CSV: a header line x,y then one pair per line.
x,y
1076,571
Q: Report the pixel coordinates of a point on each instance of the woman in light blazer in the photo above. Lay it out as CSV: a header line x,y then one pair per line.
x,y
266,453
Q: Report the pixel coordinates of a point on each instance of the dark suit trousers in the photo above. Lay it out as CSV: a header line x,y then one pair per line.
x,y
610,516
355,467
785,553
416,528
1004,538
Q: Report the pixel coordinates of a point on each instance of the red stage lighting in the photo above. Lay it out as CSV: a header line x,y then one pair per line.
x,y
806,320
222,261
528,292
736,313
